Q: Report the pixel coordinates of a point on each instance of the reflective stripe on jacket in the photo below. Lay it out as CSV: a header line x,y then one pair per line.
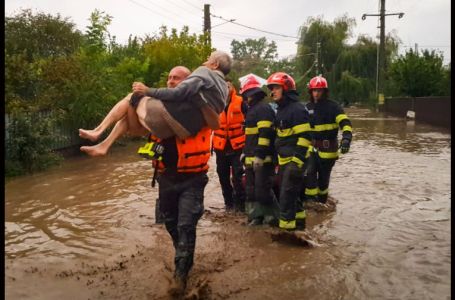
x,y
260,132
231,123
326,118
293,131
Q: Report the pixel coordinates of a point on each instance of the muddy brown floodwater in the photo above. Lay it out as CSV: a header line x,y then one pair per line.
x,y
85,230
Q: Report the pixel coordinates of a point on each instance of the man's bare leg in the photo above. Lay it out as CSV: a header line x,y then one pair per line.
x,y
128,124
115,114
120,128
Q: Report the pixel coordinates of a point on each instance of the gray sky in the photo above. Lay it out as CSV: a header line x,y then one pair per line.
x,y
426,22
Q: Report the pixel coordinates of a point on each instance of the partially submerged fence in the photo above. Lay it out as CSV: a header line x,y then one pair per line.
x,y
431,110
63,136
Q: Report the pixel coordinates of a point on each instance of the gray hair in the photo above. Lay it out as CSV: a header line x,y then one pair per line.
x,y
224,61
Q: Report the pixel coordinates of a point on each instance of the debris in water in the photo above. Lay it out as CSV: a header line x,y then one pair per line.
x,y
299,238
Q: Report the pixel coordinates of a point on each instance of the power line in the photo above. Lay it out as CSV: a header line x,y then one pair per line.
x,y
190,4
252,28
249,36
181,7
154,11
165,9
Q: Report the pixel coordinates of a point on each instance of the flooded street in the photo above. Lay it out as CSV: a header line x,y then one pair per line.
x,y
85,229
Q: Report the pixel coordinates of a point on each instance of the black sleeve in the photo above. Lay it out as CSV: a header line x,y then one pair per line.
x,y
302,128
343,122
266,131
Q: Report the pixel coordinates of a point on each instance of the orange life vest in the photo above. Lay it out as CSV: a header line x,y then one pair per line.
x,y
193,153
231,124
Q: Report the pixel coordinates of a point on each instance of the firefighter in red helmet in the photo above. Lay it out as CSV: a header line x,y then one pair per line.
x,y
261,203
291,144
326,118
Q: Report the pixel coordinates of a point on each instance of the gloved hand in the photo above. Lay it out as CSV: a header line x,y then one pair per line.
x,y
344,145
258,162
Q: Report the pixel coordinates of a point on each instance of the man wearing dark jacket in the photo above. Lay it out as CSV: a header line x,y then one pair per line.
x,y
291,144
258,156
326,117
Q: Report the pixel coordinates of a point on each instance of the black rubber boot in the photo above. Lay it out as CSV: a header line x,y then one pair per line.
x,y
300,224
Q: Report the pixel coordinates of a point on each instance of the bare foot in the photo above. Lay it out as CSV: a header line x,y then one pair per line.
x,y
91,135
94,150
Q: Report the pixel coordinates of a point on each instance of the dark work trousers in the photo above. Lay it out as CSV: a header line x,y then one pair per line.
x,y
182,204
317,178
291,184
261,200
233,193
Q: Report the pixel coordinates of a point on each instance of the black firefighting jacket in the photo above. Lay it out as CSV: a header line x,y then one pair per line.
x,y
326,117
260,132
293,130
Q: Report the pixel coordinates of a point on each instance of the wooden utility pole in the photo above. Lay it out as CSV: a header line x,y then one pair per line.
x,y
318,46
207,25
381,53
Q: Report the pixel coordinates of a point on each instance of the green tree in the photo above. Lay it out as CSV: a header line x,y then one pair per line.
x,y
40,35
418,74
257,56
167,50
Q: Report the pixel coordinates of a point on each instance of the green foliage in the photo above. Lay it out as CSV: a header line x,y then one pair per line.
x,y
165,51
332,39
420,74
28,144
96,34
40,35
253,56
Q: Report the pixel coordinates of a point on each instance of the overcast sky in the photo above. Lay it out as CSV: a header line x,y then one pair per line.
x,y
426,22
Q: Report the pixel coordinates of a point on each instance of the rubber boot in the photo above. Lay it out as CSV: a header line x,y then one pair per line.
x,y
177,287
300,224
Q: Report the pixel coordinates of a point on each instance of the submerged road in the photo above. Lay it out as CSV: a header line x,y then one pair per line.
x,y
86,229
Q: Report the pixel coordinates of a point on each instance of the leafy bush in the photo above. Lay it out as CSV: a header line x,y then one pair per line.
x,y
28,143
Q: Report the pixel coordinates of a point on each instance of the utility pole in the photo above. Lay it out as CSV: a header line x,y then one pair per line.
x,y
381,54
207,25
318,46
416,48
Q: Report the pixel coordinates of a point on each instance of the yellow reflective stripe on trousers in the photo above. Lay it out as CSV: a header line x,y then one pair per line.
x,y
284,160
297,161
251,130
311,192
249,160
303,142
340,118
325,127
347,128
264,142
300,215
262,124
324,192
287,224
328,154
268,158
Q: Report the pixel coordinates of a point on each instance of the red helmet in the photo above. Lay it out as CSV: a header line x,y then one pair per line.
x,y
250,83
283,79
318,82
